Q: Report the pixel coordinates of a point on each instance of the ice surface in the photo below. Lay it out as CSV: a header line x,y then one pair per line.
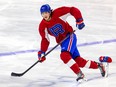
x,y
19,42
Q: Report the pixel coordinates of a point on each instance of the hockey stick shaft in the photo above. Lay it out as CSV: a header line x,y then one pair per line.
x,y
21,74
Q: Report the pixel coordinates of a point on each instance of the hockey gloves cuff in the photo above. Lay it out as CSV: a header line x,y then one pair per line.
x,y
41,57
80,24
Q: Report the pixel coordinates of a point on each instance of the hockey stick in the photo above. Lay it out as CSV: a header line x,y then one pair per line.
x,y
21,74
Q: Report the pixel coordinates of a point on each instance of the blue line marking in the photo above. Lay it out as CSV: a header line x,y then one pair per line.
x,y
79,45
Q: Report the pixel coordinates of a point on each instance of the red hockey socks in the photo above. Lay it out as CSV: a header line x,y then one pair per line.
x,y
67,59
86,63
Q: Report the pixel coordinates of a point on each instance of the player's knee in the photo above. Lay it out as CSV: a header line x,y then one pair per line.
x,y
65,56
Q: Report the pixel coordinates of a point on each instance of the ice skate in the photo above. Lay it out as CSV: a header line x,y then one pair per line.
x,y
103,69
80,77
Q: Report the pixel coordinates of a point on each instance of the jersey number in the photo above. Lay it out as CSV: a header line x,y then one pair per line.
x,y
56,30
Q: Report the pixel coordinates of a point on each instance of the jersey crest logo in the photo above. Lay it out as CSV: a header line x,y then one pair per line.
x,y
56,30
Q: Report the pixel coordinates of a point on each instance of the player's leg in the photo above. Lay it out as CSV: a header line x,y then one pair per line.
x,y
86,63
83,63
67,59
68,47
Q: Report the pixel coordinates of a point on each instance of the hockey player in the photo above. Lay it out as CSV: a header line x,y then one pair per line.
x,y
54,23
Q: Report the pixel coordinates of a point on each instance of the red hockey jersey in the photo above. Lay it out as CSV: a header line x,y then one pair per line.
x,y
57,26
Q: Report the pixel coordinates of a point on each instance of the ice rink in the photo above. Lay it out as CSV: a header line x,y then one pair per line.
x,y
20,41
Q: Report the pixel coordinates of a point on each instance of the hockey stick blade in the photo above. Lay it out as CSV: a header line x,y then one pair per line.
x,y
16,74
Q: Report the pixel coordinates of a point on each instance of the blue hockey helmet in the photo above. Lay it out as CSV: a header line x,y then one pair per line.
x,y
45,8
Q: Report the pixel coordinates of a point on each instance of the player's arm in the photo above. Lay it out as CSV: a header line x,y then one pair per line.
x,y
75,12
44,37
44,41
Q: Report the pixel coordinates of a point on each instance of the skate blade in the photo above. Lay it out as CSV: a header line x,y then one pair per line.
x,y
82,80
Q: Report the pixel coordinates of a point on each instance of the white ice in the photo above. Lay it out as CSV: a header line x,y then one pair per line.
x,y
19,20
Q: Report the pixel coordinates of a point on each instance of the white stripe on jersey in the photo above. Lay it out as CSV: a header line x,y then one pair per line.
x,y
46,35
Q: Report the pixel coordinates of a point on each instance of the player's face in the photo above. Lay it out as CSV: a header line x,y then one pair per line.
x,y
46,16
